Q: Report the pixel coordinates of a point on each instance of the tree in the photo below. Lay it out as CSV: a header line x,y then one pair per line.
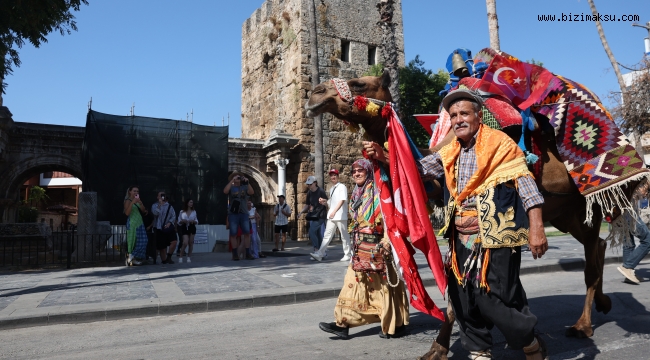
x,y
617,71
389,47
31,20
493,24
419,89
634,112
315,80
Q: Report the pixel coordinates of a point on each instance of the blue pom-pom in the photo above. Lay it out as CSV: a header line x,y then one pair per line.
x,y
531,158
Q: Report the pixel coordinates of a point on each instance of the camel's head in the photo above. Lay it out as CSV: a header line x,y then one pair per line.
x,y
332,97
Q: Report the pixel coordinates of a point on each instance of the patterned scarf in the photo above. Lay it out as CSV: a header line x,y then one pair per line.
x,y
365,198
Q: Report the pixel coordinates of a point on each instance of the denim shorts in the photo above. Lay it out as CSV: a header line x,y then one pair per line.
x,y
239,220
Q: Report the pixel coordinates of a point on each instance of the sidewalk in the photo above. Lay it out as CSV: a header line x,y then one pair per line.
x,y
212,282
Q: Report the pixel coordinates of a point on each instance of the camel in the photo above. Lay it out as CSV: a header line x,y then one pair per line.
x,y
564,207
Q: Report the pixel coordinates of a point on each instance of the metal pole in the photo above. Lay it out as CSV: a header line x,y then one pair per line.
x,y
69,255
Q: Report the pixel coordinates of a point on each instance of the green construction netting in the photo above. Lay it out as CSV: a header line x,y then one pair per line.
x,y
183,159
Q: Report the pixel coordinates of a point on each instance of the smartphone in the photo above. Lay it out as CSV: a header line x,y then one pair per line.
x,y
137,196
162,197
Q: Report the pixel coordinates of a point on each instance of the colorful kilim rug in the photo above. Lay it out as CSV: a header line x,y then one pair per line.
x,y
598,157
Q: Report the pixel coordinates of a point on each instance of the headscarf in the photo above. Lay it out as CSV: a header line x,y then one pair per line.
x,y
357,193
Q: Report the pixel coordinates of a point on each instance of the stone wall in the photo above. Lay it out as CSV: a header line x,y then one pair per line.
x,y
276,81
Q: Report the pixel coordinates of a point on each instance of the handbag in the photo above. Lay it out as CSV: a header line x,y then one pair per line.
x,y
315,214
367,256
171,227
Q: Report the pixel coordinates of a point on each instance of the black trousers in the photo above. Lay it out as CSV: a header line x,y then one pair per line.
x,y
478,311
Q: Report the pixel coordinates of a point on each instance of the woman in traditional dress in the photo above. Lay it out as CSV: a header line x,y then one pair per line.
x,y
187,222
136,234
369,296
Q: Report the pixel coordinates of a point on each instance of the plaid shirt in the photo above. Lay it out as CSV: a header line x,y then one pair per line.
x,y
430,168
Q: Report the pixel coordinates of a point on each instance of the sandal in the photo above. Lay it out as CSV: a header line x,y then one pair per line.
x,y
282,249
274,250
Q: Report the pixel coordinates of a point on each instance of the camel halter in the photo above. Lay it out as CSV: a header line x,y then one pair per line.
x,y
370,105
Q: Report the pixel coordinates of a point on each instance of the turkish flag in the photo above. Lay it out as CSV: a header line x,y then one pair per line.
x,y
428,121
523,83
403,205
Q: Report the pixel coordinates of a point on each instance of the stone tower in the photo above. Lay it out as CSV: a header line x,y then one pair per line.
x,y
276,77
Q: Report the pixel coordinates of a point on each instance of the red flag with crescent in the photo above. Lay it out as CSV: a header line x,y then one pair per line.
x,y
403,206
523,83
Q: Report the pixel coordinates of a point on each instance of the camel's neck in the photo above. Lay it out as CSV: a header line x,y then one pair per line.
x,y
376,129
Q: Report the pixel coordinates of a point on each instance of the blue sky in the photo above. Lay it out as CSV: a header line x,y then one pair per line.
x,y
170,57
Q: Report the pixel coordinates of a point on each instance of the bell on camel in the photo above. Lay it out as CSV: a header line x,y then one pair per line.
x,y
458,66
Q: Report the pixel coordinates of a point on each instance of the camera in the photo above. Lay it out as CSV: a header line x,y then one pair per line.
x,y
244,181
162,197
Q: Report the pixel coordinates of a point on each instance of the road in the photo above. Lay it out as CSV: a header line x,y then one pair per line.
x,y
291,332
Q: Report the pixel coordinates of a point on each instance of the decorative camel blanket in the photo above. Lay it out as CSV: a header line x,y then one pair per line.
x,y
597,155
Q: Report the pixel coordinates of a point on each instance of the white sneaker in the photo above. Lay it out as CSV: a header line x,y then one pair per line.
x,y
629,274
345,258
180,260
188,260
316,257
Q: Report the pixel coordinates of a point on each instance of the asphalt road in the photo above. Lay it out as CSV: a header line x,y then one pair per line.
x,y
291,332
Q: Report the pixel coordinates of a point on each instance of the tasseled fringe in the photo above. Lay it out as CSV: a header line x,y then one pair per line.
x,y
486,261
612,196
454,266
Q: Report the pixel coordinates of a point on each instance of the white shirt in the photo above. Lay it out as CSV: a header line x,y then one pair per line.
x,y
280,218
338,192
191,217
251,215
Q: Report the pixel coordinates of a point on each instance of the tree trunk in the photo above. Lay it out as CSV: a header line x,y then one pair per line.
x,y
315,80
493,24
617,71
389,47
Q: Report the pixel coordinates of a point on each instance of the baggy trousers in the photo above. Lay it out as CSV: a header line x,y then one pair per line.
x,y
505,306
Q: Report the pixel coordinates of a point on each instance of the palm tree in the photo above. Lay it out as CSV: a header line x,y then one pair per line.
x,y
315,80
617,71
389,47
493,24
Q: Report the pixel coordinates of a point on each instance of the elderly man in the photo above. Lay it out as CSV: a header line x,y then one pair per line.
x,y
493,207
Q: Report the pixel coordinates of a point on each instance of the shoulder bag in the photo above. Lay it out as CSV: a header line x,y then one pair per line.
x,y
367,255
171,227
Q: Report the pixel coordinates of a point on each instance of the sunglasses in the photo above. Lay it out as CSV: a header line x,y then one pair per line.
x,y
354,171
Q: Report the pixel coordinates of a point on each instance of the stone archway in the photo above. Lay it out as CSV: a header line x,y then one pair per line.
x,y
18,173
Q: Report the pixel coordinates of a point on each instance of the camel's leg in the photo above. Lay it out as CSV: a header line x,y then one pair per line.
x,y
594,263
440,347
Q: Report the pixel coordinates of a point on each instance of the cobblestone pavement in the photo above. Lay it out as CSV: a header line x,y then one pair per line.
x,y
282,277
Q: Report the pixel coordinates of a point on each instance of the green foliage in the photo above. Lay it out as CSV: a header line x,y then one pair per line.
x,y
419,88
32,20
535,62
37,194
28,212
375,70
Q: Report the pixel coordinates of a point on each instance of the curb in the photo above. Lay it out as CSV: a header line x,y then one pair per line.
x,y
226,302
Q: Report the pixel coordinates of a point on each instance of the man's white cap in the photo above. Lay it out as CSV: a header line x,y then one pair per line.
x,y
310,180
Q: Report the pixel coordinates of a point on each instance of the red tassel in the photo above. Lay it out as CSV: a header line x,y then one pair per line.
x,y
386,111
361,102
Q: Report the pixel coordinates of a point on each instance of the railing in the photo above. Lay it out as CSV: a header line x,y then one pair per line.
x,y
64,248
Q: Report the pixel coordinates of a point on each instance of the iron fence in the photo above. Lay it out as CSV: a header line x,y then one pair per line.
x,y
64,248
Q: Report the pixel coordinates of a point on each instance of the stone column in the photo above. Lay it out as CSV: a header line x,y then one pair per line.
x,y
86,224
282,175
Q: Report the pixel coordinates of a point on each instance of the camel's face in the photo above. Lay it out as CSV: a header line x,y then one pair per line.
x,y
325,98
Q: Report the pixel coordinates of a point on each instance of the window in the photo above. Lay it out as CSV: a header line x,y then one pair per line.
x,y
345,50
372,55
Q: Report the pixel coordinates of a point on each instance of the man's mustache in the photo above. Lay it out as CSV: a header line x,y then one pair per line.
x,y
461,125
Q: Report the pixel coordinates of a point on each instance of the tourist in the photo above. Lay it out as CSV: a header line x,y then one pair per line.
x,y
632,254
281,211
187,222
316,212
487,178
164,228
238,190
256,243
337,218
136,233
368,296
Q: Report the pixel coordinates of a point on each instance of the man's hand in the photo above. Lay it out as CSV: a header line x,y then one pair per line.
x,y
331,215
536,236
374,151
